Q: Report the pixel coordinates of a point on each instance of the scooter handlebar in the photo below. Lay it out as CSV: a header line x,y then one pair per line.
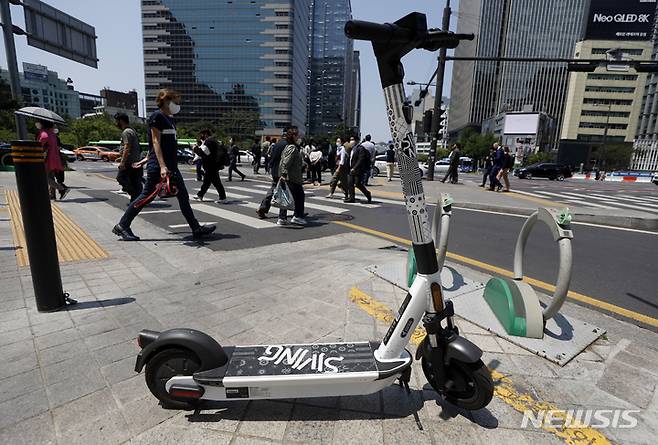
x,y
432,39
377,32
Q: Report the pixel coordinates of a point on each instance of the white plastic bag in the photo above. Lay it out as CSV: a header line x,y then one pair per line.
x,y
282,198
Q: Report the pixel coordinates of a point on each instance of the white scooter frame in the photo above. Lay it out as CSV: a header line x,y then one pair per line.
x,y
184,366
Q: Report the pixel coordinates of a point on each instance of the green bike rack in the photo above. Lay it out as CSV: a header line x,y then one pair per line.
x,y
515,303
442,214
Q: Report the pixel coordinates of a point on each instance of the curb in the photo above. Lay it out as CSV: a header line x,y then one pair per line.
x,y
627,222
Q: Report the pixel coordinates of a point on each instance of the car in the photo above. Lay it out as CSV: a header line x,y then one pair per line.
x,y
380,164
5,155
185,156
68,154
548,170
88,153
654,178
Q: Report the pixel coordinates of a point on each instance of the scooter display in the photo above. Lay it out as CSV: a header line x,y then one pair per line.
x,y
185,366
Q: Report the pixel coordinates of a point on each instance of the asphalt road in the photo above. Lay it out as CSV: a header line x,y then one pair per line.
x,y
617,266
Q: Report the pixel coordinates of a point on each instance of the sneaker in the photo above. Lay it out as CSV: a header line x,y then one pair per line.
x,y
125,233
197,198
261,214
203,231
242,179
330,196
349,201
369,199
298,221
282,222
63,193
221,201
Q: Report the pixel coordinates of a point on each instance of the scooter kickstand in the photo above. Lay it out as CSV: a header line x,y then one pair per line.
x,y
404,379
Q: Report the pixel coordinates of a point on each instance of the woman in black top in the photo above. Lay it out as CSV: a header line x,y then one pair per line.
x,y
162,163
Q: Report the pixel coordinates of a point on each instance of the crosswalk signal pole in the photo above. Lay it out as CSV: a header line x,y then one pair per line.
x,y
438,99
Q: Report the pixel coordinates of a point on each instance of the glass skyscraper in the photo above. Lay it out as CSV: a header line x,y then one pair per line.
x,y
242,65
332,95
514,28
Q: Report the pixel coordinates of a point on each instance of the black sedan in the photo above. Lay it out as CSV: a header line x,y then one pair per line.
x,y
544,170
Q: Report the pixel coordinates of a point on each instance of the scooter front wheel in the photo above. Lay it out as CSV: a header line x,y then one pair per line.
x,y
166,364
470,384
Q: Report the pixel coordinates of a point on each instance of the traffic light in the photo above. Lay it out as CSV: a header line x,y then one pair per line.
x,y
427,121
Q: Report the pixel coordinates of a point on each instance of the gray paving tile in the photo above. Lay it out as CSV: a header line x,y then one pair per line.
x,y
17,385
74,387
311,424
109,429
16,335
167,434
267,419
145,413
23,407
35,430
131,389
358,428
78,413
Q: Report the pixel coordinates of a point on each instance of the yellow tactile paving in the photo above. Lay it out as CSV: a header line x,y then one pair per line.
x,y
73,243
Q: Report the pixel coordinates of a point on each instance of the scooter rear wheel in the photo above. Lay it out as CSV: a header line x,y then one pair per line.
x,y
166,364
472,387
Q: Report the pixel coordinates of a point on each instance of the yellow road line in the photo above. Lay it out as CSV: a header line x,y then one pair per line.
x,y
73,243
533,199
508,273
504,389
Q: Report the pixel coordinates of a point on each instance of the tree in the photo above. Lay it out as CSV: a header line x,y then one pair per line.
x,y
476,145
81,131
538,158
614,156
7,107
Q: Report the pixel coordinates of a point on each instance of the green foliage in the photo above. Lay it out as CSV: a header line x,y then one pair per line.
x,y
442,153
476,145
538,158
7,107
80,132
613,156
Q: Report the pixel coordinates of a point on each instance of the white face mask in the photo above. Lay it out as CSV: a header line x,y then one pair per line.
x,y
174,108
38,125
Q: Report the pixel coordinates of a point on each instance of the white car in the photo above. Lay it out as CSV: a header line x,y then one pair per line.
x,y
654,178
441,166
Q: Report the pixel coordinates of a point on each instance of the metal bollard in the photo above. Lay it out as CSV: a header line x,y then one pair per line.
x,y
29,163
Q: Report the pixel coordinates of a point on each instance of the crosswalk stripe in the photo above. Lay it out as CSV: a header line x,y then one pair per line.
x,y
182,226
265,187
154,212
634,207
228,195
367,206
579,199
248,190
235,217
310,205
633,200
536,195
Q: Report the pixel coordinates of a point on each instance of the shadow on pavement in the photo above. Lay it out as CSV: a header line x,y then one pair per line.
x,y
100,303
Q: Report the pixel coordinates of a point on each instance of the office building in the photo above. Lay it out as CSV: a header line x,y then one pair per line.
x,y
514,28
41,87
110,102
354,107
645,146
332,55
242,65
604,106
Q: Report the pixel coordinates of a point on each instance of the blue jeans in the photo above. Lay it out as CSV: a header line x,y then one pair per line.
x,y
152,180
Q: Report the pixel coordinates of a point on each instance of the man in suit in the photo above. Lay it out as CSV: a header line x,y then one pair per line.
x,y
359,165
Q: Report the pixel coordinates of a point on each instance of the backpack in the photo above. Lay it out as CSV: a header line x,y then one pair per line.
x,y
221,155
509,161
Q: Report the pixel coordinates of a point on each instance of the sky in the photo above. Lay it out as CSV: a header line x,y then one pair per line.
x,y
119,48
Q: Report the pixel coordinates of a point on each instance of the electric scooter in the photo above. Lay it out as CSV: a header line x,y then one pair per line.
x,y
185,366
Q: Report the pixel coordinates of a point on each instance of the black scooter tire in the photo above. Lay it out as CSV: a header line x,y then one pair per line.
x,y
168,363
478,376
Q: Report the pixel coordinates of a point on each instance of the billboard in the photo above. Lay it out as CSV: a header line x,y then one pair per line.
x,y
621,20
526,124
56,32
35,72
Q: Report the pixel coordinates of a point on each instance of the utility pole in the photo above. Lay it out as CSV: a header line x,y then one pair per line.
x,y
438,99
12,64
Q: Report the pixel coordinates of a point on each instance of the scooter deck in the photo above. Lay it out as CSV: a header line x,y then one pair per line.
x,y
299,360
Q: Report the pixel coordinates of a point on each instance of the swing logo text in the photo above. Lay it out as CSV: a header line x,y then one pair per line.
x,y
300,359
581,418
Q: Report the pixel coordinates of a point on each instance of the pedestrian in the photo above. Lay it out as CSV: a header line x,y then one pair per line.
x,y
128,177
256,153
340,177
291,169
488,165
60,175
209,150
268,156
48,140
265,152
234,155
359,164
307,149
316,166
390,161
508,164
453,169
372,152
162,164
276,150
498,163
332,155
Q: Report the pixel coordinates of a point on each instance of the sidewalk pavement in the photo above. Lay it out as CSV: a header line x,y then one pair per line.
x,y
68,377
468,195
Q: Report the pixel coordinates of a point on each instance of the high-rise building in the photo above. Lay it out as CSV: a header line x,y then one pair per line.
x,y
332,56
604,106
645,146
514,28
242,65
